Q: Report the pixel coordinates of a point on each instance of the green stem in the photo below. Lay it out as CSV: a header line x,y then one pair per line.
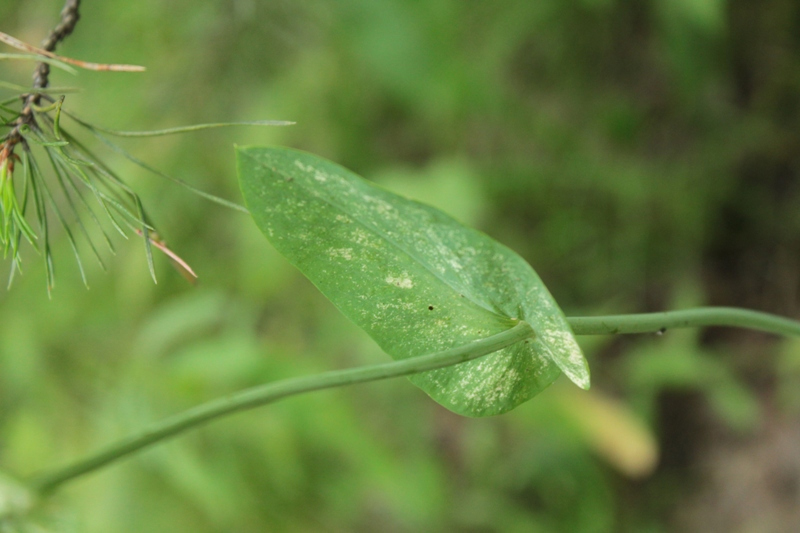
x,y
689,318
271,392
264,394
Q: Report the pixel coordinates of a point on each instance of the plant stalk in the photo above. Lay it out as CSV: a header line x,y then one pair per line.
x,y
688,318
271,392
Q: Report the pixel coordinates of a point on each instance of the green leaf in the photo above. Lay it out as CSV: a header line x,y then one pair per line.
x,y
413,278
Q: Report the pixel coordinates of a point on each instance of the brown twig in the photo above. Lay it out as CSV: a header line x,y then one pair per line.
x,y
69,18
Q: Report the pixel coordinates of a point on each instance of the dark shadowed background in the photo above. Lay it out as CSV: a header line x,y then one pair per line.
x,y
642,155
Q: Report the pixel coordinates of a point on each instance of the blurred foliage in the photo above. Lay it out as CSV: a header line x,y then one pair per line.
x,y
642,155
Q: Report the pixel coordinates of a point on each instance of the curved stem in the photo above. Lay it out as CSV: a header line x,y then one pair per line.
x,y
689,318
271,392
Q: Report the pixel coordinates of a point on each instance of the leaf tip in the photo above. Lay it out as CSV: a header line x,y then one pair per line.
x,y
585,382
579,375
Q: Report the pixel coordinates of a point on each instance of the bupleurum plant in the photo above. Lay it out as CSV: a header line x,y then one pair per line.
x,y
467,319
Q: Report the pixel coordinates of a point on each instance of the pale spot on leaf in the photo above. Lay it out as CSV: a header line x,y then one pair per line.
x,y
402,281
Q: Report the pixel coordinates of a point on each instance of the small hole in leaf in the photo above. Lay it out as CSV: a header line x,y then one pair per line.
x,y
430,308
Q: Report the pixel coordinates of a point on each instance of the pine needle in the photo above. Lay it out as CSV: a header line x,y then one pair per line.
x,y
25,47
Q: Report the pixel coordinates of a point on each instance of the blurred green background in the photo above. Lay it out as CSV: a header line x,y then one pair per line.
x,y
642,155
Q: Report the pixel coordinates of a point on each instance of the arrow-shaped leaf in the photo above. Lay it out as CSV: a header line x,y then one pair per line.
x,y
413,278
